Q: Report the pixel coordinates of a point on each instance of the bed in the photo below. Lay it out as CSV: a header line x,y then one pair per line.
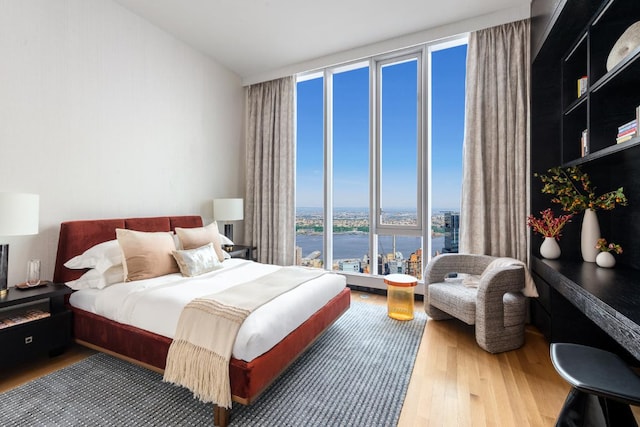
x,y
248,378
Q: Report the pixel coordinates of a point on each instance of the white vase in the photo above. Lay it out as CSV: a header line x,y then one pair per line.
x,y
550,249
589,235
605,259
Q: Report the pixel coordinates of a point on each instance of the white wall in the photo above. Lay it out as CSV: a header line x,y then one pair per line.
x,y
430,35
105,116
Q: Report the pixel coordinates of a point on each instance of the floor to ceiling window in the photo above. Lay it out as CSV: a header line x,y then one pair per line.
x,y
379,153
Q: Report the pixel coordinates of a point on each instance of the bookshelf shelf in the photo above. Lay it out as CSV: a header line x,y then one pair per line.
x,y
611,97
604,152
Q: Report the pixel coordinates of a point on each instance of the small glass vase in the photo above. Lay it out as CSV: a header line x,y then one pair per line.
x,y
550,249
606,260
33,272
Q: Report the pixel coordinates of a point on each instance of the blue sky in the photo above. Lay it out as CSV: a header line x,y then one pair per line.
x,y
351,135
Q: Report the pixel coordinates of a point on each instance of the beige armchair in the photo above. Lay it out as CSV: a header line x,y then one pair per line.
x,y
491,298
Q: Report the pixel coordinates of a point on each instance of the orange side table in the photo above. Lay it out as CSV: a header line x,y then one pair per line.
x,y
400,299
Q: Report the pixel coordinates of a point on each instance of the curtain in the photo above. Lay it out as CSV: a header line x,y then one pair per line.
x,y
495,169
270,193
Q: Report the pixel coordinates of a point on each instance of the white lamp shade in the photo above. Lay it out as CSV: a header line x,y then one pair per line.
x,y
228,209
19,213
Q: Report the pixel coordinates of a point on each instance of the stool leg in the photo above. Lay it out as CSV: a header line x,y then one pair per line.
x,y
581,410
618,413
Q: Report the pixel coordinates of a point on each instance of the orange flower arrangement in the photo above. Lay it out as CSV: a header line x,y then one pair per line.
x,y
548,225
572,189
608,247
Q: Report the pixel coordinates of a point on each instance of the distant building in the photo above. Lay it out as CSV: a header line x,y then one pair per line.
x,y
351,265
298,255
414,264
451,232
396,266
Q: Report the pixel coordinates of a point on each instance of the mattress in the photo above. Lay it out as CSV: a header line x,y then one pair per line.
x,y
155,304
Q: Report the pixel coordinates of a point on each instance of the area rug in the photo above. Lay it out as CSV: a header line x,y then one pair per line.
x,y
356,374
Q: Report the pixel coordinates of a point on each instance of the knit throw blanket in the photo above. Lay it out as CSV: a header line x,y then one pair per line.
x,y
199,355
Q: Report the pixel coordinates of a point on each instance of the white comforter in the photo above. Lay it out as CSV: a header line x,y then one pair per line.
x,y
155,304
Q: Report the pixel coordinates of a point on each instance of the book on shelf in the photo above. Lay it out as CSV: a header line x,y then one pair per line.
x,y
584,143
625,138
582,86
628,130
23,317
633,124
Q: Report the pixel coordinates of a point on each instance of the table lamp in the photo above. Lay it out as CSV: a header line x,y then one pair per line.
x,y
228,210
18,217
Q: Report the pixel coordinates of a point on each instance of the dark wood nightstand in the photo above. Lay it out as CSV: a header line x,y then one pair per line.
x,y
242,251
35,322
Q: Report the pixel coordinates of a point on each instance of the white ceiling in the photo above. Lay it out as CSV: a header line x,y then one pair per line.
x,y
251,37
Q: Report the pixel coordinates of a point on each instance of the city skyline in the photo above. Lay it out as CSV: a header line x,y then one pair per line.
x,y
351,251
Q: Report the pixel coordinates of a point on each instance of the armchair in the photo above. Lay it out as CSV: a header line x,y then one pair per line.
x,y
492,300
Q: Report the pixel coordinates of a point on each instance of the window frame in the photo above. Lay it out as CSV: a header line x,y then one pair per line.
x,y
424,140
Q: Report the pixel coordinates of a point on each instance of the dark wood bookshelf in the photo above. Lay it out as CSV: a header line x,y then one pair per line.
x,y
579,36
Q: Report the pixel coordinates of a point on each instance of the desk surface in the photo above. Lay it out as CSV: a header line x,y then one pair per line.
x,y
609,297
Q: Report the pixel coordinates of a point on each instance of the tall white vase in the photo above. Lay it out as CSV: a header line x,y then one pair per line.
x,y
589,235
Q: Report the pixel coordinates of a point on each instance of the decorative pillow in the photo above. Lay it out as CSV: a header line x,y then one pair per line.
x,y
98,280
192,238
146,254
194,262
101,257
628,41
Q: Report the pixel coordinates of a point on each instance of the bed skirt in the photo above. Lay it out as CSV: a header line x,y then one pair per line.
x,y
248,379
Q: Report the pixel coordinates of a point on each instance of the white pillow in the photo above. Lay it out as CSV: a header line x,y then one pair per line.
x,y
96,280
194,262
101,257
225,240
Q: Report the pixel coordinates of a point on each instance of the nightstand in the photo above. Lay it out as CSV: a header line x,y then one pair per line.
x,y
34,322
245,252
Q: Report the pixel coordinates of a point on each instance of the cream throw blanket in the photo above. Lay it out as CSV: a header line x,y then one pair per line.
x,y
201,349
529,290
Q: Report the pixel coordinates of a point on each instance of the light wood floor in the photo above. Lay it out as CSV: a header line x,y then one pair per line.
x,y
454,382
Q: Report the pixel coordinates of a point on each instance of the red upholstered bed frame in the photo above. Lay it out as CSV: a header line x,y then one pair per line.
x,y
248,379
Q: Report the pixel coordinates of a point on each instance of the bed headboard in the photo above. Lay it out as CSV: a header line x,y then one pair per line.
x,y
78,236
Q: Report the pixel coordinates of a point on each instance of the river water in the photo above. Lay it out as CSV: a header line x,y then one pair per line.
x,y
348,246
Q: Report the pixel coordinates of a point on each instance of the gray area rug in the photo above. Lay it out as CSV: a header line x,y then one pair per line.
x,y
356,374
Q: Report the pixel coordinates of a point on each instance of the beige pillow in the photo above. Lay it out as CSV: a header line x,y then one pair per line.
x,y
146,255
193,262
192,238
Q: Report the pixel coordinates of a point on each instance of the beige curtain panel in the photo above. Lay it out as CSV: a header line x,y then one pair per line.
x,y
496,143
270,193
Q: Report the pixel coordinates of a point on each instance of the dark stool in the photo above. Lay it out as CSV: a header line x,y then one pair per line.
x,y
603,387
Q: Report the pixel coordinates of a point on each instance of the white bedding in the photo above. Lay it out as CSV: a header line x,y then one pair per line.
x,y
155,304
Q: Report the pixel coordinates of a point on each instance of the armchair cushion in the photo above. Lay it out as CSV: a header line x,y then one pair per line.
x,y
455,297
